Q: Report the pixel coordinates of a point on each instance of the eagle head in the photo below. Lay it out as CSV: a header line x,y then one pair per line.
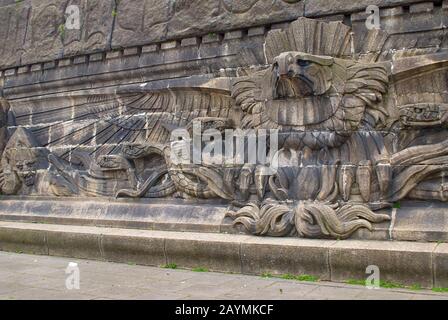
x,y
316,100
297,74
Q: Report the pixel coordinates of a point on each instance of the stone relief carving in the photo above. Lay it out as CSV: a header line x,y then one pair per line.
x,y
236,6
156,20
354,136
36,30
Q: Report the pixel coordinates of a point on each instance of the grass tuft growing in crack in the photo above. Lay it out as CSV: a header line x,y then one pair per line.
x,y
266,275
303,277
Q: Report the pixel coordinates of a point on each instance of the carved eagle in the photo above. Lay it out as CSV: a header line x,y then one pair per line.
x,y
319,101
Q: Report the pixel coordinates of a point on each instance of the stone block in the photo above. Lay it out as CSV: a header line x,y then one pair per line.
x,y
80,60
96,57
440,258
134,249
419,221
24,240
169,45
421,7
211,37
256,31
36,67
113,54
194,41
280,26
131,51
150,48
49,65
10,72
215,252
64,62
286,256
401,262
238,34
74,244
24,69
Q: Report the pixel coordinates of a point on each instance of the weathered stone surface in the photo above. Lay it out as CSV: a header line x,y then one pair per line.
x,y
402,262
204,250
144,215
316,8
145,21
325,100
78,245
440,261
280,256
421,28
138,250
411,222
23,240
360,117
48,38
421,222
13,29
36,30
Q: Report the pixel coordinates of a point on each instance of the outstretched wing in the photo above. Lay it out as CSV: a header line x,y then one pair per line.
x,y
100,123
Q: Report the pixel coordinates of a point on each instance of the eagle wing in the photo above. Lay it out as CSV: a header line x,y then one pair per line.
x,y
98,124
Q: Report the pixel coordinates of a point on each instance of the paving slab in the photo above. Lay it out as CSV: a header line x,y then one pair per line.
x,y
118,281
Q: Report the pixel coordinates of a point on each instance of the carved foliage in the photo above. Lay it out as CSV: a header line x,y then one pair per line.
x,y
306,219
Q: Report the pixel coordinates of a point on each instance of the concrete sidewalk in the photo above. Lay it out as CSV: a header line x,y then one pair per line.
x,y
43,277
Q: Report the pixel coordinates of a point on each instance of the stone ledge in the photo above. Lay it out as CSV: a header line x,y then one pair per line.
x,y
414,221
403,262
147,215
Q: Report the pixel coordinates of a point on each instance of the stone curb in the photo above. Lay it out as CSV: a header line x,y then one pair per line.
x,y
409,222
407,263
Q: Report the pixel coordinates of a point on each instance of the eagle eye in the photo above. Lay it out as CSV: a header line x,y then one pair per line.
x,y
303,63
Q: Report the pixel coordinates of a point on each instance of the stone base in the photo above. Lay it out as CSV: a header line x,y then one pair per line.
x,y
172,215
424,264
413,221
197,234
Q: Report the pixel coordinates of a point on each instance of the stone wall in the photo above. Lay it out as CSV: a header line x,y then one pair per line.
x,y
34,29
362,113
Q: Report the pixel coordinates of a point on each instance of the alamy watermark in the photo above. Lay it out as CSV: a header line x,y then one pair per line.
x,y
73,280
373,280
373,20
231,148
73,18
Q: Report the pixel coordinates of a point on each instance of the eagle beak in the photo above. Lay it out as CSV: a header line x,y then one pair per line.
x,y
283,69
